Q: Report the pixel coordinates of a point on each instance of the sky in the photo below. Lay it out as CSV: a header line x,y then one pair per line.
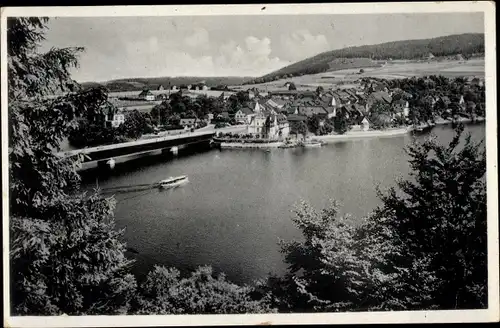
x,y
124,47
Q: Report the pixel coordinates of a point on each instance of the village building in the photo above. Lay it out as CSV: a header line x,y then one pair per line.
x,y
115,118
147,95
160,88
375,97
288,94
223,116
188,123
269,126
244,115
296,118
174,88
365,124
276,103
401,108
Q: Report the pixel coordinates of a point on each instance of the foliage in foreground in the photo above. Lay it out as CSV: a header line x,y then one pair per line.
x,y
66,255
423,248
166,292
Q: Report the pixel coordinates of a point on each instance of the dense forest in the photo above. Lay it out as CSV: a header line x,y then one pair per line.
x,y
465,44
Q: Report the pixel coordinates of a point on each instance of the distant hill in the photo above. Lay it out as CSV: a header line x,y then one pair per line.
x,y
364,56
135,84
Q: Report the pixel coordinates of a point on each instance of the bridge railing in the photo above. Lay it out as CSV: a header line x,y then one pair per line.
x,y
134,143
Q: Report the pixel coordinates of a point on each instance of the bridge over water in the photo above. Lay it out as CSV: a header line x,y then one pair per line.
x,y
102,154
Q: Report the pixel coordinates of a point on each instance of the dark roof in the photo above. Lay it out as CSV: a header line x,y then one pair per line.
x,y
311,110
247,110
281,119
359,108
296,118
224,114
293,92
145,93
380,96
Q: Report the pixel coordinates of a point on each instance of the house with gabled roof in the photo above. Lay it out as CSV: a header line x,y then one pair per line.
x,y
188,123
147,95
379,96
244,114
401,107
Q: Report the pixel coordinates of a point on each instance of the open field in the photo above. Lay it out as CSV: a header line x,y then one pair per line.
x,y
392,70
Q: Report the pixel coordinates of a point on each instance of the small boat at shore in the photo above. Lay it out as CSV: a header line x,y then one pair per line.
x,y
173,182
312,144
423,127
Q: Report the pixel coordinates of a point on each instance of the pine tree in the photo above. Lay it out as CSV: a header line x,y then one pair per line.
x,y
65,254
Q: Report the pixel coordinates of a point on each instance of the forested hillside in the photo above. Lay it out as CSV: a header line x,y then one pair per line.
x,y
465,44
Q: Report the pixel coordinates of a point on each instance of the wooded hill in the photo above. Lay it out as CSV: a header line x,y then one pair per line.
x,y
465,44
134,84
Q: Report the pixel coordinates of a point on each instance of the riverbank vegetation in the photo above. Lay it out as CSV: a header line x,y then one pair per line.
x,y
423,248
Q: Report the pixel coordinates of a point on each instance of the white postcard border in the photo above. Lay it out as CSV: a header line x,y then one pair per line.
x,y
488,315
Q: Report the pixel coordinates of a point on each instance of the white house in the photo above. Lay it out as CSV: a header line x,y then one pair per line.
x,y
271,126
116,119
188,123
244,115
257,125
365,124
147,95
461,102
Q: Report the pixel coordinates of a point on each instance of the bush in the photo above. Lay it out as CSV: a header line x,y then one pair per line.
x,y
166,292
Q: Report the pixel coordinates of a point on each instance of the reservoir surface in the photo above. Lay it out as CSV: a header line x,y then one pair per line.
x,y
238,203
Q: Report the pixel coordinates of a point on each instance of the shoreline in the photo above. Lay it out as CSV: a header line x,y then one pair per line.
x,y
350,135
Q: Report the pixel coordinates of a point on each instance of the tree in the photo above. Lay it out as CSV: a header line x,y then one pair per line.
x,y
322,267
433,230
65,254
340,124
313,123
320,90
135,125
161,113
423,248
292,86
298,128
165,292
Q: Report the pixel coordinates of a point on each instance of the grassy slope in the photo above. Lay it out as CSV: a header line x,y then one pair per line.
x,y
465,44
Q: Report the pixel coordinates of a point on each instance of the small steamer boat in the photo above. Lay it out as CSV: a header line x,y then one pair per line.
x,y
312,143
173,182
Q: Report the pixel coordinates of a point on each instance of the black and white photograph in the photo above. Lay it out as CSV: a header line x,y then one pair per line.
x,y
249,164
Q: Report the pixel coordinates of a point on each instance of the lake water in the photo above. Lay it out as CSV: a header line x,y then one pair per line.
x,y
238,203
